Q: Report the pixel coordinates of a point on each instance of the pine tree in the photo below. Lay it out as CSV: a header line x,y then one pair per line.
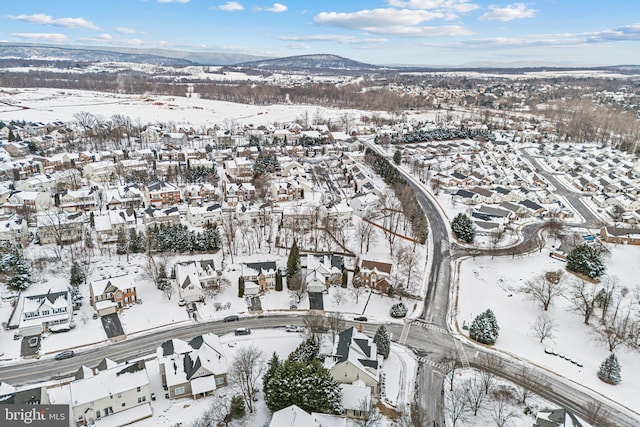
x,y
345,278
278,280
308,385
381,338
397,157
121,243
463,228
305,352
236,408
609,371
77,275
587,260
484,328
20,276
293,262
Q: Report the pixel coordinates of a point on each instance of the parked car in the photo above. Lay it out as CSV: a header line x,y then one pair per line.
x,y
153,396
33,342
17,336
232,318
95,316
294,328
64,355
360,319
243,331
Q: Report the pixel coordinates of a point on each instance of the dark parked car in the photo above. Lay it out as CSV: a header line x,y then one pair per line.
x,y
243,331
64,355
360,319
232,318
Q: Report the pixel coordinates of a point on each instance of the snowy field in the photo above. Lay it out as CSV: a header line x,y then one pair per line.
x,y
486,283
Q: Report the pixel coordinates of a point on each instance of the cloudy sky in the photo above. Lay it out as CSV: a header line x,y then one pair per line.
x,y
421,32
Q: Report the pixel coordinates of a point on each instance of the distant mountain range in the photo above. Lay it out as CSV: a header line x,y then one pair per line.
x,y
309,63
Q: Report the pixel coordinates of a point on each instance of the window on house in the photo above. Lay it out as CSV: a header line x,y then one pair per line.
x,y
178,391
219,380
124,404
98,415
138,389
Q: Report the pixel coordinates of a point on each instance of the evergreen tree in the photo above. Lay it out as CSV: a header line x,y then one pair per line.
x,y
398,310
609,371
397,157
305,352
308,385
345,278
237,409
20,271
587,260
121,242
272,366
293,262
463,228
278,280
484,328
381,338
77,275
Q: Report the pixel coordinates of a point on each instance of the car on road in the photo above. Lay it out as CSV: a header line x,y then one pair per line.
x,y
232,318
294,328
243,331
64,355
360,319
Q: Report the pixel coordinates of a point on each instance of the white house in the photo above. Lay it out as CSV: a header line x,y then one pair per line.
x,y
189,287
354,357
192,368
364,204
14,230
198,216
39,313
261,273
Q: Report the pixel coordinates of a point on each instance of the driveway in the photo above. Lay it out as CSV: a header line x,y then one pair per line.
x,y
316,301
30,351
113,327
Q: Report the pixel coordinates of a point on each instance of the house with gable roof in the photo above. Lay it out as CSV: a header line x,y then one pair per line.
x,y
354,357
192,368
193,276
112,294
39,313
262,274
375,274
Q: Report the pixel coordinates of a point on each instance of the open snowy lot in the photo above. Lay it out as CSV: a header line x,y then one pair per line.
x,y
494,283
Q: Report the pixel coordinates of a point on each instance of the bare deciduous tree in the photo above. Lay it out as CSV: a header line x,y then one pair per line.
x,y
488,375
364,234
335,322
543,328
315,324
502,413
451,363
583,297
245,370
476,397
597,414
544,288
526,385
456,406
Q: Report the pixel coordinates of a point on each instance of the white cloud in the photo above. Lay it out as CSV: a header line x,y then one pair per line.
x,y
276,8
174,1
127,30
298,46
388,21
231,6
342,39
49,37
508,13
104,37
42,19
134,42
458,6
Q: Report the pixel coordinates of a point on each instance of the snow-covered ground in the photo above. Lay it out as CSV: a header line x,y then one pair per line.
x,y
494,283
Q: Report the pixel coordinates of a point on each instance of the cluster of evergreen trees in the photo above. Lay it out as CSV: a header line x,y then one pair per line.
x,y
266,162
301,380
443,134
14,266
398,310
199,174
403,192
178,238
134,243
609,371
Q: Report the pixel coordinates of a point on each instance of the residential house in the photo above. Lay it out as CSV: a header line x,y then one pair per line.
x,y
235,193
108,395
376,275
154,216
44,312
192,368
14,230
364,204
31,201
322,271
354,357
113,294
189,288
626,236
199,216
356,399
177,139
262,274
553,418
99,171
293,416
162,194
338,215
60,228
78,200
